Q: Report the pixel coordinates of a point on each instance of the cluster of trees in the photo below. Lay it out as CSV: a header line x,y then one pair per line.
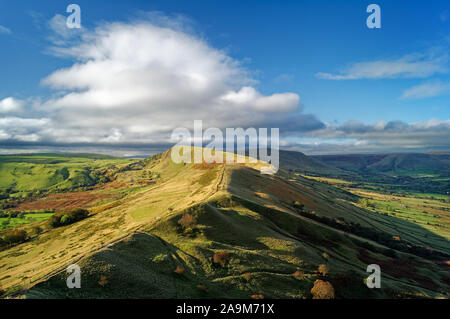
x,y
18,236
14,237
67,217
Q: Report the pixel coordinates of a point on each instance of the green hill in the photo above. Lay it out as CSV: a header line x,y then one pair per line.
x,y
25,173
407,164
211,230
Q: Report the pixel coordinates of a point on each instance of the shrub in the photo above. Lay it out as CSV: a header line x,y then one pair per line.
x,y
325,256
15,237
323,270
180,271
299,275
187,221
257,296
322,290
36,230
103,281
221,257
247,276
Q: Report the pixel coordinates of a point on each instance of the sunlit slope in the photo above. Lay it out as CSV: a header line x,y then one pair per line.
x,y
26,263
130,248
44,172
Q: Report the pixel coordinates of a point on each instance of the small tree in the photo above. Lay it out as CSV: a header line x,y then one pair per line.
x,y
180,271
325,256
299,275
322,290
36,230
187,221
221,257
17,236
323,270
103,281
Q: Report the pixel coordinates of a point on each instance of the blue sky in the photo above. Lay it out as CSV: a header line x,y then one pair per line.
x,y
284,46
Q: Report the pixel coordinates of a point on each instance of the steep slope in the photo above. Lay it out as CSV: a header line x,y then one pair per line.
x,y
298,161
130,248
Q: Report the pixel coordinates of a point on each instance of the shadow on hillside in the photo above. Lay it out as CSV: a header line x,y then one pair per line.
x,y
385,230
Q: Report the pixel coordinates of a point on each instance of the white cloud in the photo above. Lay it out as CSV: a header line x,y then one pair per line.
x,y
429,89
248,97
390,135
4,30
384,137
136,82
11,105
22,129
60,33
409,66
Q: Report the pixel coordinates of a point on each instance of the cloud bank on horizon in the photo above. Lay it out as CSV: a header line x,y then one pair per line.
x,y
133,83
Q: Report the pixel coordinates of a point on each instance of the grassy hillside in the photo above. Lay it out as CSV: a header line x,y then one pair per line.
x,y
210,230
407,164
391,173
42,172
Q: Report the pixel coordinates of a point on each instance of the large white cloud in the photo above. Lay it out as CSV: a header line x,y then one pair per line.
x,y
135,82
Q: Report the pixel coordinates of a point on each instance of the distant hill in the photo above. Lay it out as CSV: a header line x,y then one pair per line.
x,y
53,171
302,163
407,164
